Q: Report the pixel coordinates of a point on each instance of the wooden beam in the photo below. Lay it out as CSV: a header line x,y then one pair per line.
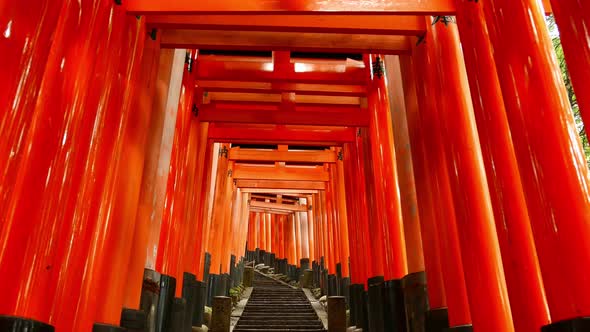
x,y
231,133
254,97
283,186
376,24
291,192
278,88
274,198
221,68
285,41
344,118
277,206
289,173
413,7
263,210
284,156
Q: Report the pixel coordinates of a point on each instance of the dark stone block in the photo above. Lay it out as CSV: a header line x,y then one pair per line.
x,y
416,301
344,289
581,324
332,285
437,320
97,327
133,320
21,324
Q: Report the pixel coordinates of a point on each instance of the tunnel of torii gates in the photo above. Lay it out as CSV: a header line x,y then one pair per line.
x,y
420,156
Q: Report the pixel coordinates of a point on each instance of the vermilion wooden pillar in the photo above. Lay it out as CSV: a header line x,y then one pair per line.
x,y
341,202
228,232
311,228
484,274
521,266
573,19
361,198
424,180
210,171
376,223
405,167
452,265
552,166
138,141
357,270
173,220
217,220
24,58
385,175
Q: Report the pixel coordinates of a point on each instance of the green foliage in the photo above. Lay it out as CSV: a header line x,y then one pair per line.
x,y
553,30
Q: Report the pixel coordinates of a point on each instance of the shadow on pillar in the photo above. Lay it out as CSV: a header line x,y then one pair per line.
x,y
437,320
581,324
416,301
20,324
375,308
394,309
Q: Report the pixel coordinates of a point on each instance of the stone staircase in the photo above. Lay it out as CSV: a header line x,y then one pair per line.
x,y
276,307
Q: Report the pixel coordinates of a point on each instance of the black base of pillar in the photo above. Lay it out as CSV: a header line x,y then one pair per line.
x,y
165,302
150,294
581,324
189,294
375,310
212,288
99,327
199,303
20,324
133,320
332,285
462,328
437,320
345,289
177,315
416,301
394,306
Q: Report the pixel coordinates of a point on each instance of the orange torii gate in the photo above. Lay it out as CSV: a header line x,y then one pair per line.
x,y
121,153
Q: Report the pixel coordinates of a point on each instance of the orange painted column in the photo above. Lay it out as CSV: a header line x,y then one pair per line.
x,y
59,146
330,227
268,232
25,55
484,273
411,218
216,232
225,237
357,270
311,228
336,218
362,206
173,220
209,179
298,239
376,221
138,136
195,253
573,20
521,265
251,229
385,175
342,213
452,266
304,233
424,179
545,145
